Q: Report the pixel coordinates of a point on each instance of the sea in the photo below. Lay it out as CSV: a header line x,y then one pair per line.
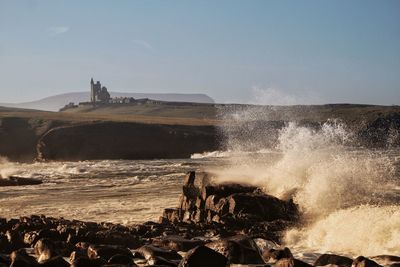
x,y
349,196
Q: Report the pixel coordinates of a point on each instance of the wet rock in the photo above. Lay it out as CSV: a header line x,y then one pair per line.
x,y
203,256
5,260
153,253
15,240
361,261
261,207
4,245
386,259
225,190
55,262
18,181
78,254
161,262
20,258
44,250
238,250
177,243
326,259
30,238
106,251
274,255
291,262
171,216
86,262
121,259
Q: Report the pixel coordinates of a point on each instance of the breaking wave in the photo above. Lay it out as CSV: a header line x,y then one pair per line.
x,y
347,195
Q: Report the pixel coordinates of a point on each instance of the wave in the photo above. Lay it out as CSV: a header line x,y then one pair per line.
x,y
346,194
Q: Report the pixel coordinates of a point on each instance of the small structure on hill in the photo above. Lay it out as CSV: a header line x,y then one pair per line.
x,y
98,94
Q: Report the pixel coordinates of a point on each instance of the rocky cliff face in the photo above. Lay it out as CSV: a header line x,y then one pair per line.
x,y
118,140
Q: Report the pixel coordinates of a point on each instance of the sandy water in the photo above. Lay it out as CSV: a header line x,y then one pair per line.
x,y
343,216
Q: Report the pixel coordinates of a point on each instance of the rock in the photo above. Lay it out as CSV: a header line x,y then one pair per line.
x,y
326,259
261,207
15,240
105,252
274,255
152,252
121,259
86,262
361,261
161,262
225,190
203,256
44,250
291,262
20,258
18,181
386,259
55,262
177,243
188,180
238,250
4,260
4,245
171,215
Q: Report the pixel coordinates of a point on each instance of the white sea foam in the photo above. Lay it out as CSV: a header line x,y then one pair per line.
x,y
346,195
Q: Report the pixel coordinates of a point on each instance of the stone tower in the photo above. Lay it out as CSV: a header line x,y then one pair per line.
x,y
98,93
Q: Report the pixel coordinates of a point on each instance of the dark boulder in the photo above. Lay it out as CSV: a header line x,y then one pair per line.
x,y
5,260
386,259
44,250
150,252
261,207
18,181
326,259
274,255
105,252
203,256
361,261
238,250
55,262
15,241
291,262
20,258
86,262
225,189
177,243
121,259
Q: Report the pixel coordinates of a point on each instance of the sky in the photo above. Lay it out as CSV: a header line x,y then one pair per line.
x,y
264,52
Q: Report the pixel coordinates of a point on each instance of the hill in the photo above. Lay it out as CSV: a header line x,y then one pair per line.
x,y
54,103
166,129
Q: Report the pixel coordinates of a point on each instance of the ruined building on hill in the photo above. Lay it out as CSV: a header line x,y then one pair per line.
x,y
98,94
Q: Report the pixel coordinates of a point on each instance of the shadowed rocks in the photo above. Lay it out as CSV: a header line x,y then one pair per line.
x,y
18,181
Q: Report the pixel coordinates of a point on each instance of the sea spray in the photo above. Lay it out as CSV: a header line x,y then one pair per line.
x,y
7,168
346,193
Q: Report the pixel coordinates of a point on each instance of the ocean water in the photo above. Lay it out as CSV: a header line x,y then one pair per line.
x,y
118,191
349,196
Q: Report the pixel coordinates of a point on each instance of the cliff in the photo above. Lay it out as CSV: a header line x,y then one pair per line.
x,y
119,140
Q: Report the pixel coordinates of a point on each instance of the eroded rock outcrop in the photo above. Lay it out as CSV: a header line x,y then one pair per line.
x,y
235,205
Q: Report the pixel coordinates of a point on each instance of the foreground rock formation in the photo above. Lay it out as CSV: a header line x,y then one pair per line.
x,y
236,220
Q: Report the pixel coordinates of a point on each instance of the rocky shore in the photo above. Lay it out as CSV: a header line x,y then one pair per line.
x,y
213,225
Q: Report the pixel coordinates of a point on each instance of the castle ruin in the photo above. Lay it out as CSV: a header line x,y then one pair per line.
x,y
98,94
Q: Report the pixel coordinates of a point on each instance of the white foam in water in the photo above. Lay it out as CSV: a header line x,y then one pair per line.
x,y
364,230
342,192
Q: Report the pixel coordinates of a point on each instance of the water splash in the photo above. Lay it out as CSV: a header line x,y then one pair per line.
x,y
7,168
337,186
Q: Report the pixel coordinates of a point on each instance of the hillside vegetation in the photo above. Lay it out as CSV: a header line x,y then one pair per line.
x,y
135,131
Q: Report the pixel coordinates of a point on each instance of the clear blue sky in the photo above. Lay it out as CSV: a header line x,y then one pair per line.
x,y
234,51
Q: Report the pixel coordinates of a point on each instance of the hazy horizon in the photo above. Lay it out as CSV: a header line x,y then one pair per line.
x,y
261,52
